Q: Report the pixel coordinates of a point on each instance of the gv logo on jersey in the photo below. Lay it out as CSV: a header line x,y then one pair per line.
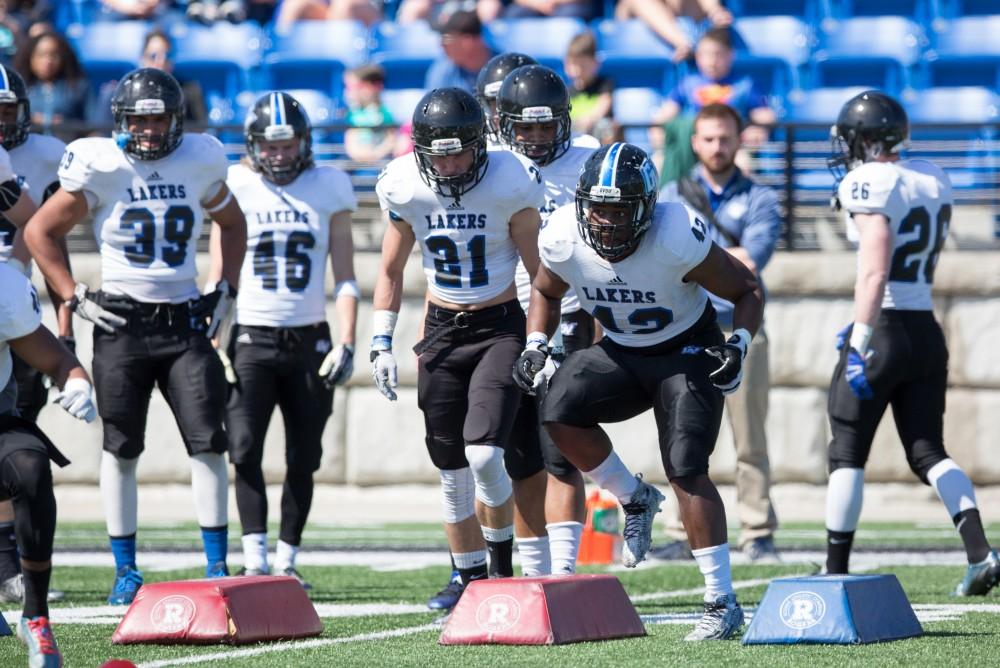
x,y
456,221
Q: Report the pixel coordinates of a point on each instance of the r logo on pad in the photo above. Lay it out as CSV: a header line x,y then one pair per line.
x,y
802,610
172,614
498,613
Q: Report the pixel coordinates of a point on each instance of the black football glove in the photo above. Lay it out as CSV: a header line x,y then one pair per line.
x,y
530,363
728,376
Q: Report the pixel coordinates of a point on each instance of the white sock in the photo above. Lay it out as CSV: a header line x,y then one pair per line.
x,y
845,494
467,560
255,551
612,475
534,552
498,535
952,486
120,493
564,545
284,556
210,484
713,562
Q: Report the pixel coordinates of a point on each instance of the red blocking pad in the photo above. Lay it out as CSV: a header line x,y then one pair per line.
x,y
542,611
234,610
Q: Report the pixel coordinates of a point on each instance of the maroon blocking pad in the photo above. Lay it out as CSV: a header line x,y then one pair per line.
x,y
542,611
234,610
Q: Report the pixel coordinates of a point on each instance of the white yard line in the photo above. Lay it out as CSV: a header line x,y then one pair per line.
x,y
288,646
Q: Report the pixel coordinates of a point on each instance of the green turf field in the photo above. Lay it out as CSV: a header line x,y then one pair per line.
x,y
394,632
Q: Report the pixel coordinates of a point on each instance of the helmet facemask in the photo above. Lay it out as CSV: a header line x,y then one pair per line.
x,y
14,133
542,152
277,171
613,240
457,185
161,144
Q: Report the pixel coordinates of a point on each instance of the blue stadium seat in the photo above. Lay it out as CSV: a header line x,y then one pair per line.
x,y
636,106
919,10
953,105
219,58
108,50
820,105
772,76
955,8
969,36
406,52
784,37
314,55
545,39
966,53
401,102
962,71
868,51
804,9
633,55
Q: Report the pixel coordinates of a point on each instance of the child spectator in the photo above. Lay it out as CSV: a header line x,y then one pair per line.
x,y
363,92
589,92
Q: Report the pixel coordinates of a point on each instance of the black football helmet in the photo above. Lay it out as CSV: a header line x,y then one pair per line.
x,y
449,121
869,125
144,92
617,174
488,85
534,94
278,116
13,91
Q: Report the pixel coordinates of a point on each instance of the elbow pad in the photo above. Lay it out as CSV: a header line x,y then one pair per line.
x,y
10,192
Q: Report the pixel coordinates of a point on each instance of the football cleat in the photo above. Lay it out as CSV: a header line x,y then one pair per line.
x,y
128,579
36,633
639,513
292,573
12,591
217,570
980,578
448,597
723,617
675,550
762,551
253,571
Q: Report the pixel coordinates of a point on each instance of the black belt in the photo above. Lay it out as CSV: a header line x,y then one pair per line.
x,y
136,312
288,338
454,320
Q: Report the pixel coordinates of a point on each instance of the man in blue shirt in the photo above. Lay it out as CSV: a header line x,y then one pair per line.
x,y
465,53
743,218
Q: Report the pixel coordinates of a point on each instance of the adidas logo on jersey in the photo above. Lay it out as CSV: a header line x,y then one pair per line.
x,y
244,338
617,281
155,176
455,205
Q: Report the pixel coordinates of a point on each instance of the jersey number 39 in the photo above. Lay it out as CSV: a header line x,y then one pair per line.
x,y
178,222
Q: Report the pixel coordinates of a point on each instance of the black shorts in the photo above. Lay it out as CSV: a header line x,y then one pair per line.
x,y
611,383
908,370
160,345
465,385
31,391
278,366
17,433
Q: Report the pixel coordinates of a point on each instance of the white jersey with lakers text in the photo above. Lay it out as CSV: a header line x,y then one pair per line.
x,y
642,300
7,228
915,196
20,315
288,240
147,214
468,254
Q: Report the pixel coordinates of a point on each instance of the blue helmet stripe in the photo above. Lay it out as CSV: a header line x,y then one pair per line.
x,y
4,81
277,109
607,175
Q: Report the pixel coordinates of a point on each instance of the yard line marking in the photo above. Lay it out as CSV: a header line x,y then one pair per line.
x,y
286,646
683,593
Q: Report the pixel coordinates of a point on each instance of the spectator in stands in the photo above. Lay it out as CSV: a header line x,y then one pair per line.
x,y
713,82
662,17
363,92
134,10
19,16
207,12
291,11
589,92
157,52
436,12
465,53
57,88
743,218
520,9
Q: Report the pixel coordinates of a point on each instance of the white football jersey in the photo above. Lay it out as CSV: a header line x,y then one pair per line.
x,y
147,213
7,228
36,163
469,256
915,196
560,177
288,239
641,300
20,315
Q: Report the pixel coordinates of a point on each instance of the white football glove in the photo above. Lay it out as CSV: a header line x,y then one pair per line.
x,y
384,367
227,367
338,366
83,306
543,377
76,399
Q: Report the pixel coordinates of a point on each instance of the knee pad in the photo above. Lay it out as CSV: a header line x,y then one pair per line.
x,y
458,495
493,486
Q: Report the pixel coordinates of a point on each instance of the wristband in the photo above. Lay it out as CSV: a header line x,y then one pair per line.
x,y
384,323
537,341
861,335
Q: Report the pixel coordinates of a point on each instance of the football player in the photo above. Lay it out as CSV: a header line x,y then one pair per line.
x,y
146,189
25,473
533,111
643,269
280,345
473,213
894,352
488,87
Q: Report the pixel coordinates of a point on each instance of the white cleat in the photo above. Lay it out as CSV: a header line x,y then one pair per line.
x,y
722,619
639,513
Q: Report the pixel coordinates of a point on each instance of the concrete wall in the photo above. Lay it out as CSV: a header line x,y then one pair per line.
x,y
372,441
